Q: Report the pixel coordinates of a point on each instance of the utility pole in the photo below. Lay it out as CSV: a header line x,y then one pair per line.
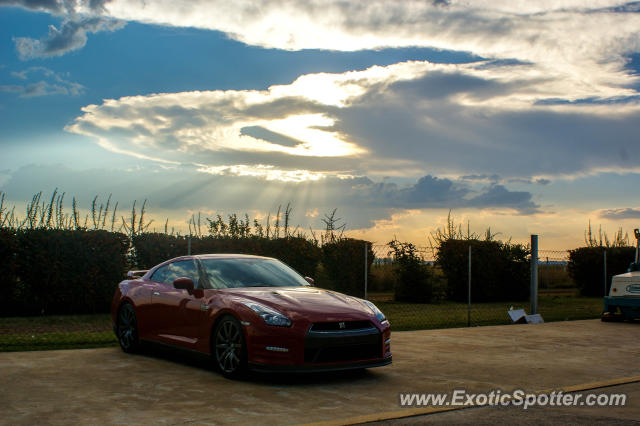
x,y
534,275
366,270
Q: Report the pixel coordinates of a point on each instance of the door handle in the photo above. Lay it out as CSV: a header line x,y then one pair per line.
x,y
155,293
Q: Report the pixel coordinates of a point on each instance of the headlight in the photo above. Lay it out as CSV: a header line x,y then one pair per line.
x,y
379,315
270,316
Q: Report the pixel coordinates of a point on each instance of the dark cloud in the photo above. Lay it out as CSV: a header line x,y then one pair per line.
x,y
71,35
499,196
54,6
51,6
433,192
441,84
622,213
260,132
47,82
422,121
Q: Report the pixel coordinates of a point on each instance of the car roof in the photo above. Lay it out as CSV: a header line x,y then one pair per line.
x,y
217,256
229,256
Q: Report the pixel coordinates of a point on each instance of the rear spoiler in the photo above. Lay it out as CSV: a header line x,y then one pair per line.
x,y
132,275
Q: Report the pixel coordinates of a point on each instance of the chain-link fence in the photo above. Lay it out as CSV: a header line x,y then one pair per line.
x,y
56,332
558,300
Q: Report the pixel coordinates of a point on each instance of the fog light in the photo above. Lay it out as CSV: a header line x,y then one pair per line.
x,y
276,349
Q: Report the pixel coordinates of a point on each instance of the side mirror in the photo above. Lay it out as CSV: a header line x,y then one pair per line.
x,y
310,280
184,283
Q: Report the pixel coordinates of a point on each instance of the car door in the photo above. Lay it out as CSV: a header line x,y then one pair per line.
x,y
157,320
179,312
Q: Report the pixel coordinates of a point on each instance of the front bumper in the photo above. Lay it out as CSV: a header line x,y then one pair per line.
x,y
629,308
304,347
276,368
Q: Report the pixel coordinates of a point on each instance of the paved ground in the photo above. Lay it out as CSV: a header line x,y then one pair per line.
x,y
107,386
578,415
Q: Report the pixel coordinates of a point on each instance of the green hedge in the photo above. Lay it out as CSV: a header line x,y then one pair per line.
x,y
342,261
8,278
586,267
299,253
416,281
343,264
499,271
47,271
63,272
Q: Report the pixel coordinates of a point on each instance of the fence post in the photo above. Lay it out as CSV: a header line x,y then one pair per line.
x,y
605,271
189,245
534,275
366,270
469,291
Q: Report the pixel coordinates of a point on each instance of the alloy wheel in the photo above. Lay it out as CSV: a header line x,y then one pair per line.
x,y
229,346
127,328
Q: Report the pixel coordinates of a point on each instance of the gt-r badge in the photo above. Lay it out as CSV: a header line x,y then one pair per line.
x,y
341,325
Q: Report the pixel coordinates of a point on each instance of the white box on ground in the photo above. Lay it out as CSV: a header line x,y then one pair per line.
x,y
534,319
517,315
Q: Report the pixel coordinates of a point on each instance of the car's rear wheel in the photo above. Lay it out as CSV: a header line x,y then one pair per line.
x,y
229,347
127,329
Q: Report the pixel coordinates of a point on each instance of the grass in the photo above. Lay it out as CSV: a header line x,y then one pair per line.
x,y
553,276
415,316
89,331
56,332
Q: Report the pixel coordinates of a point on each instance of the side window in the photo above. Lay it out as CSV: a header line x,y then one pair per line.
x,y
183,268
160,274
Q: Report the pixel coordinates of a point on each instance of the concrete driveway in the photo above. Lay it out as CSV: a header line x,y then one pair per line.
x,y
98,386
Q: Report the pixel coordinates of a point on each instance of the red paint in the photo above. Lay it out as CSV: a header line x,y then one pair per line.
x,y
185,318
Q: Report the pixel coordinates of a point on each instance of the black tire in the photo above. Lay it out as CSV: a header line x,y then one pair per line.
x,y
127,329
228,348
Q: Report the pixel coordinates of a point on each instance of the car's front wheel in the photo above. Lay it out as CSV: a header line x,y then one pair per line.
x,y
127,329
229,348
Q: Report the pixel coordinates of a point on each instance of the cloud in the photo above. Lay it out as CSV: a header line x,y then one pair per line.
x,y
405,119
71,35
482,178
499,196
58,7
621,213
436,192
568,37
51,83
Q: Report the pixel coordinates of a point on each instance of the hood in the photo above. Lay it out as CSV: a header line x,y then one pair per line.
x,y
309,302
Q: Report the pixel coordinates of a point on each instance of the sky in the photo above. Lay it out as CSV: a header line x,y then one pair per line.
x,y
516,115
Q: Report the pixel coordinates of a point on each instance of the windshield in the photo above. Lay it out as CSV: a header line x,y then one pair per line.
x,y
250,272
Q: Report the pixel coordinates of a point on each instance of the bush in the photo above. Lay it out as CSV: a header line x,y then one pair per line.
x,y
382,277
586,267
8,281
66,272
499,271
299,253
415,280
343,265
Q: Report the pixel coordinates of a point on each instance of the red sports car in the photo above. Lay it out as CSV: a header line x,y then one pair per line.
x,y
249,312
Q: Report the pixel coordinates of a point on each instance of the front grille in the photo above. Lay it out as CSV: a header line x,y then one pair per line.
x,y
342,353
335,325
327,342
